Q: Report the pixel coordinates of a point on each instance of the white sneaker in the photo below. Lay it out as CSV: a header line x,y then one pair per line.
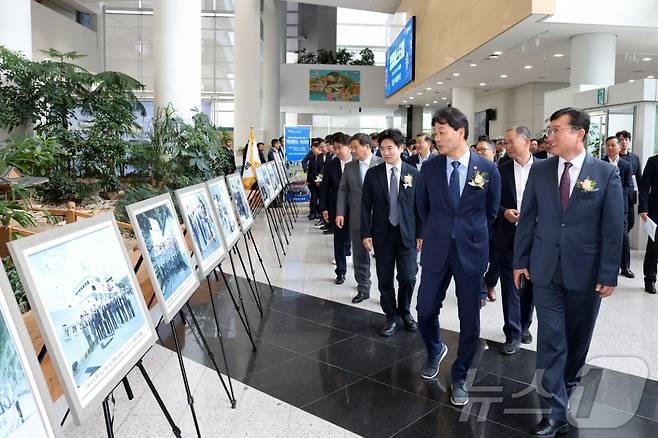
x,y
333,262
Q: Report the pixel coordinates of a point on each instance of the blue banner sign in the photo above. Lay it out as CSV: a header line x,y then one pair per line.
x,y
298,142
400,59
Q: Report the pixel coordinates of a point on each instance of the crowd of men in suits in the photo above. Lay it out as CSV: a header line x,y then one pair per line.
x,y
543,216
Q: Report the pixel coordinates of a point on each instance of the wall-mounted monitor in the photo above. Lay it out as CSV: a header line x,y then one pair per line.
x,y
400,59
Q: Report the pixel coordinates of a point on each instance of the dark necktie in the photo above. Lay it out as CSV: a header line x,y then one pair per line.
x,y
394,214
565,183
453,186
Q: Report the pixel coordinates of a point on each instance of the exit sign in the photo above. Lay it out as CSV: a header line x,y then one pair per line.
x,y
600,96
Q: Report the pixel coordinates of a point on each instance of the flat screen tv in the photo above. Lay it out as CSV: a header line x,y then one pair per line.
x,y
400,59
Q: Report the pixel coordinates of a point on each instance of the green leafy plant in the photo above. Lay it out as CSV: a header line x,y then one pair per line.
x,y
135,194
343,56
367,58
16,285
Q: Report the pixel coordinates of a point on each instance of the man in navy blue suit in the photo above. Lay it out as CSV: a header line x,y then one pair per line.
x,y
458,195
568,242
517,310
390,225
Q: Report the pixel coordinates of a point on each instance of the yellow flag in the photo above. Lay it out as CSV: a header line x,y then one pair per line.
x,y
251,163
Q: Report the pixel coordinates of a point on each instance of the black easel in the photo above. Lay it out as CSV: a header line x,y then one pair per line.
x,y
276,249
245,319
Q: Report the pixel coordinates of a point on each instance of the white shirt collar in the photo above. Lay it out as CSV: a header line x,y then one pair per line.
x,y
526,165
367,160
397,166
576,163
463,160
346,161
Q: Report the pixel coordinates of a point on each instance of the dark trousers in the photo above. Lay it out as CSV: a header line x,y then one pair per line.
x,y
493,271
342,245
313,205
650,261
625,248
517,311
631,216
432,292
566,321
391,254
361,262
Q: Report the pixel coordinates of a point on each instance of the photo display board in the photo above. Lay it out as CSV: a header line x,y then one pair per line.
x,y
197,211
163,247
92,315
264,185
240,203
26,409
221,199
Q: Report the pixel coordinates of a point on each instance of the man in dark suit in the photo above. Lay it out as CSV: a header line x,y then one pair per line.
x,y
423,151
275,149
261,152
333,171
311,176
348,209
625,153
648,208
389,224
517,310
612,149
501,152
568,242
458,195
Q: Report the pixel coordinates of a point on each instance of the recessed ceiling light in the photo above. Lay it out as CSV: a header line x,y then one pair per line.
x,y
404,101
498,52
473,65
419,93
482,84
443,98
646,59
455,74
558,55
427,104
503,76
527,67
493,56
631,80
435,101
429,88
650,77
439,83
411,97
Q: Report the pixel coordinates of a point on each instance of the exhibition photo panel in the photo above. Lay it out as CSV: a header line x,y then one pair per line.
x,y
92,315
197,211
274,178
163,247
263,179
240,203
221,199
25,405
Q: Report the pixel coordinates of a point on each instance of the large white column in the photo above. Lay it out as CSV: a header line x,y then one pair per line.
x,y
463,99
177,55
16,26
273,27
247,70
593,59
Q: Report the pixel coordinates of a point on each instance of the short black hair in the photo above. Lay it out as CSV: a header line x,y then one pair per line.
x,y
410,142
374,136
327,138
281,138
452,117
578,118
623,134
426,137
340,137
484,137
363,139
391,134
611,137
259,143
274,141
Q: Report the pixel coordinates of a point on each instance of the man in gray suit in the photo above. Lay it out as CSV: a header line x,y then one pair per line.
x,y
349,206
568,242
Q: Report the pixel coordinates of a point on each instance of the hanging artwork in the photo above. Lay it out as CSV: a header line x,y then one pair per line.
x,y
335,85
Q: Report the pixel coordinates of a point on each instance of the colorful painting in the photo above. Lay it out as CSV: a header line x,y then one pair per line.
x,y
335,85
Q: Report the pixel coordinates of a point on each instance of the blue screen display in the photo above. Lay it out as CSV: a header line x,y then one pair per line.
x,y
298,142
400,59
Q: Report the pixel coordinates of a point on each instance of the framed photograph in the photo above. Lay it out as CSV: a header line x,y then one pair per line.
x,y
240,203
163,247
274,178
200,222
280,169
25,405
264,186
228,222
86,298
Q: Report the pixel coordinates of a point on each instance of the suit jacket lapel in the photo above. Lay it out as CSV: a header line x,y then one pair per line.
x,y
555,185
443,179
510,175
383,181
585,172
473,163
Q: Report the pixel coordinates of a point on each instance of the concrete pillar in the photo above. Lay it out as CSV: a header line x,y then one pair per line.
x,y
643,146
273,27
247,70
593,59
463,99
16,26
416,121
177,55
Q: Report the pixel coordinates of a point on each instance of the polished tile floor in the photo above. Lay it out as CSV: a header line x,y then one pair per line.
x,y
321,368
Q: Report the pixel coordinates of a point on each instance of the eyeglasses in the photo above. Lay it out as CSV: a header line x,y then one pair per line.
x,y
556,131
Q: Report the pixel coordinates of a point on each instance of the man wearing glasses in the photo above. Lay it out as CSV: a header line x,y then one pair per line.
x,y
568,242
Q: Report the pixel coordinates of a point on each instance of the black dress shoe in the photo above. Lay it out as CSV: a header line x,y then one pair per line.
x,y
627,273
389,329
510,347
360,297
526,337
549,427
328,231
650,288
340,279
409,324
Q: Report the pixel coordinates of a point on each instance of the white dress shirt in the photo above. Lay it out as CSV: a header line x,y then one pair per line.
x,y
343,163
615,162
574,170
520,179
364,165
388,174
462,169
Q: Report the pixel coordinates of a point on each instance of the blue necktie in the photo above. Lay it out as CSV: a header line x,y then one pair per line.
x,y
394,214
453,187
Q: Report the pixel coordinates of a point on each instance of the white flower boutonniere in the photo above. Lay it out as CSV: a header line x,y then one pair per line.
x,y
479,179
407,181
587,185
318,179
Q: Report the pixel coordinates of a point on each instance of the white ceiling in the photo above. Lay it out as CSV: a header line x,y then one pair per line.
x,y
519,47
